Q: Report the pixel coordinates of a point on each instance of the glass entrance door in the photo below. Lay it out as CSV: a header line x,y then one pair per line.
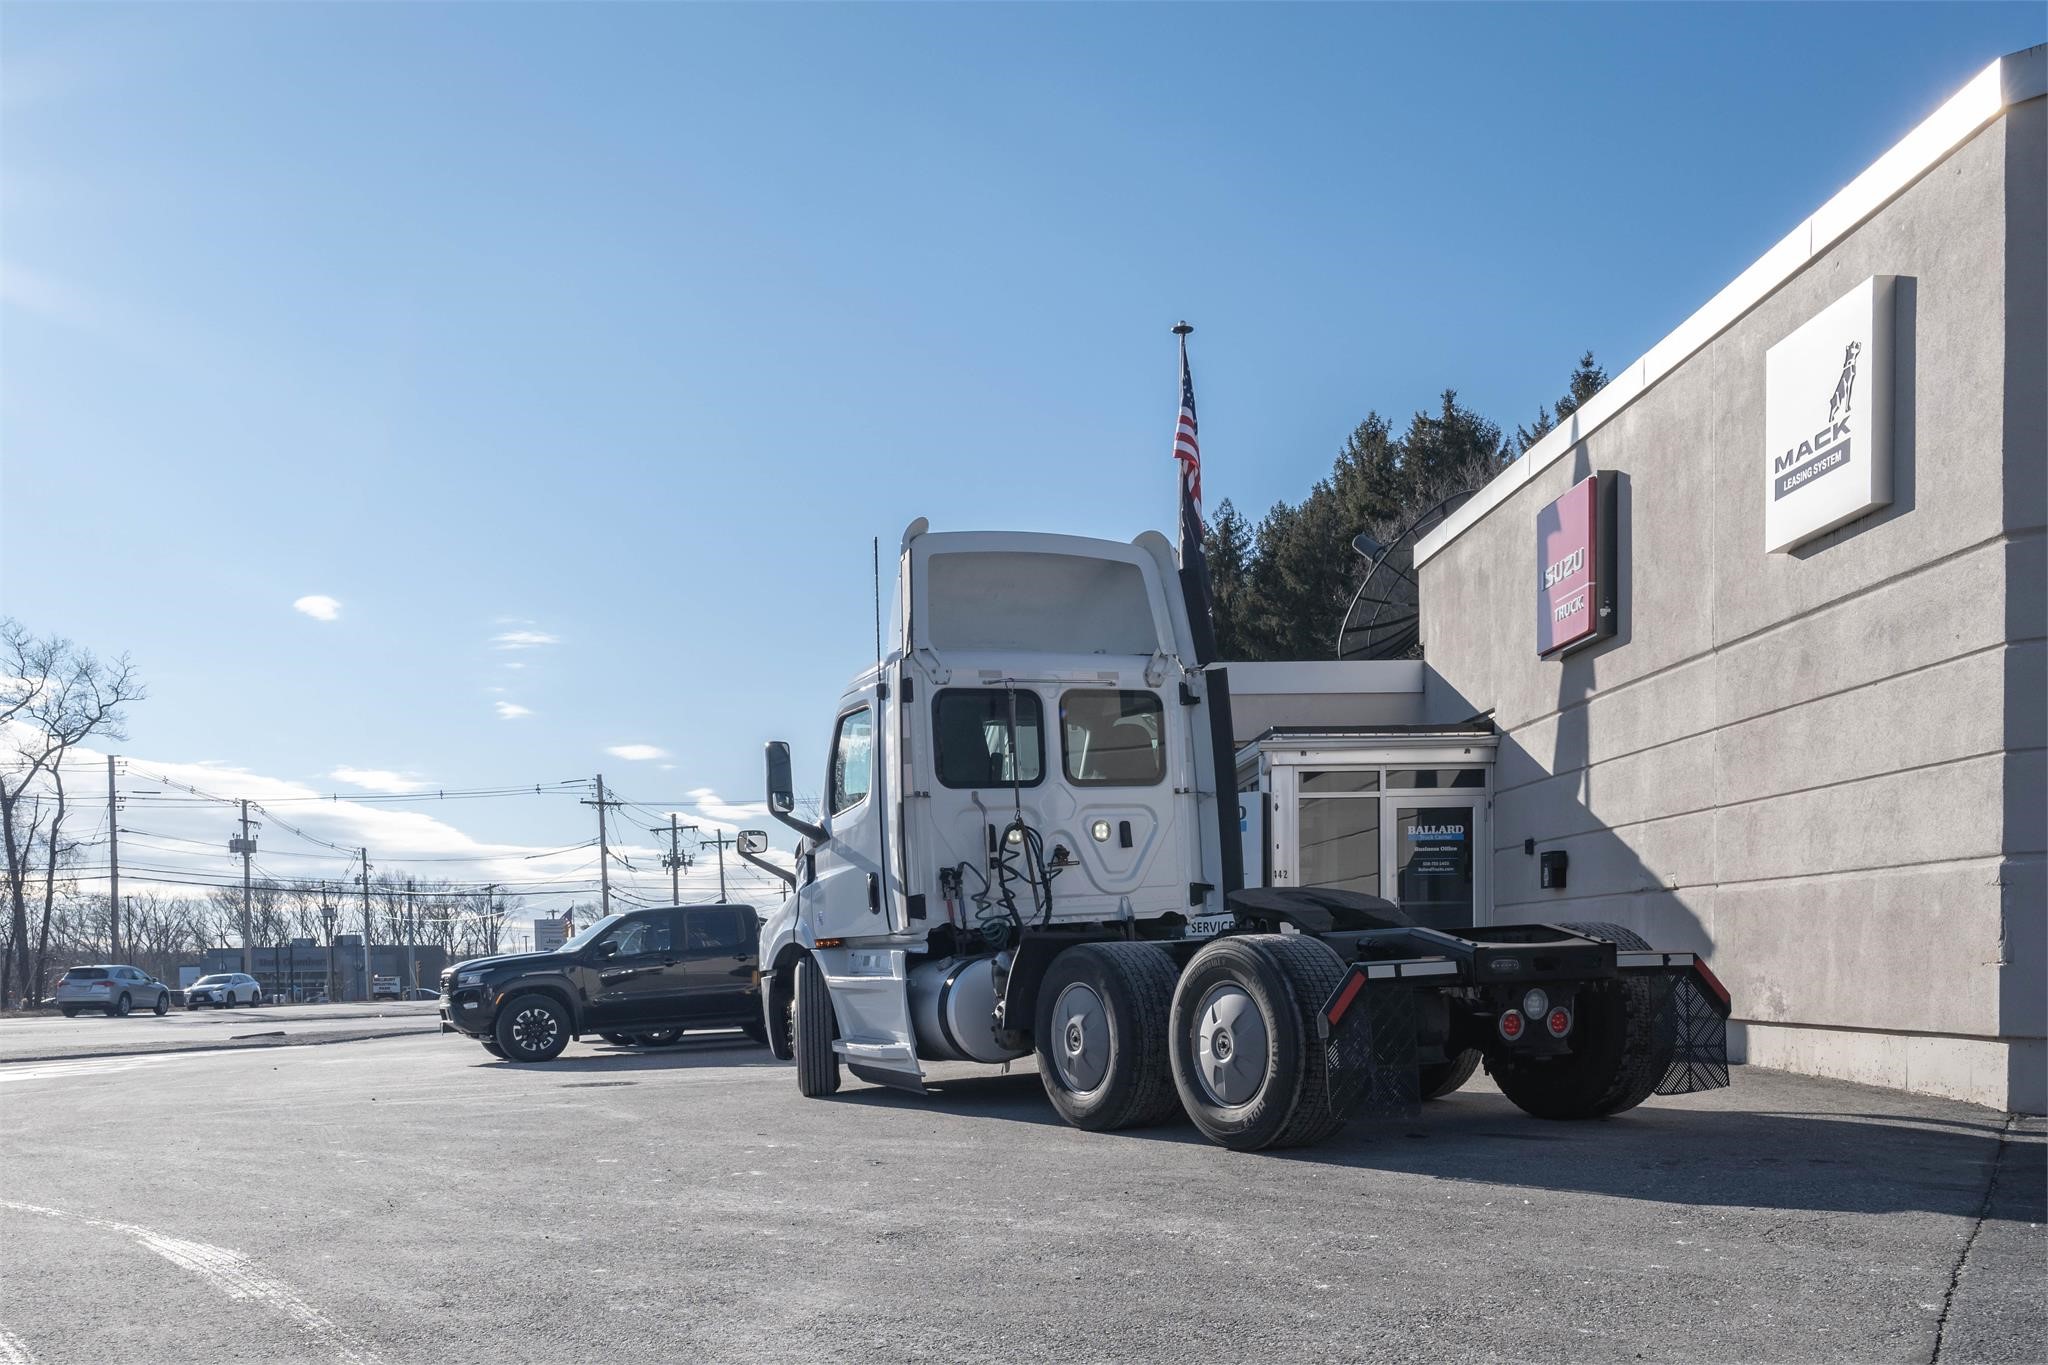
x,y
1432,847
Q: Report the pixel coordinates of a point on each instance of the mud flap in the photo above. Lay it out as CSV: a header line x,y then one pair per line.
x,y
1371,1050
1698,1027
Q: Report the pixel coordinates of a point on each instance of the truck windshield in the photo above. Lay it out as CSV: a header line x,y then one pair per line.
x,y
1113,739
591,934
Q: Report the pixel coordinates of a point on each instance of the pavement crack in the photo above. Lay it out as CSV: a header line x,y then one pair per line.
x,y
1955,1275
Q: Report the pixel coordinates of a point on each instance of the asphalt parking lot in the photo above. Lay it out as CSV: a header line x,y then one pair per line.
x,y
409,1198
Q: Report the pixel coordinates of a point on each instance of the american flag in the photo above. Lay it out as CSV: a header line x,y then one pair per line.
x,y
1194,565
1187,448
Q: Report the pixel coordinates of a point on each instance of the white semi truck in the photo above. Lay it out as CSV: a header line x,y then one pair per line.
x,y
1027,842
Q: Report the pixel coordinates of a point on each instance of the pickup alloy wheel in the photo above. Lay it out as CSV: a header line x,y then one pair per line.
x,y
533,1028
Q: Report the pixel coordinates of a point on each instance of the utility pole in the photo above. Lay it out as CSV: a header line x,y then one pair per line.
x,y
722,843
245,846
113,868
677,862
366,924
604,851
412,916
490,924
328,916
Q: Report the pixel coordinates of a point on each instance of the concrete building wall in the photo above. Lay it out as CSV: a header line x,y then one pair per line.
x,y
1825,768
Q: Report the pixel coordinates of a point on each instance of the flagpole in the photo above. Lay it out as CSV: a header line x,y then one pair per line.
x,y
1181,329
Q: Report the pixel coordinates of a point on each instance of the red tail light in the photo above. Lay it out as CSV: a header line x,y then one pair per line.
x,y
1511,1025
1560,1022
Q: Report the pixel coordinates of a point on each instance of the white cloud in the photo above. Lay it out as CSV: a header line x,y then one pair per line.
x,y
510,710
318,606
638,753
523,639
378,780
515,663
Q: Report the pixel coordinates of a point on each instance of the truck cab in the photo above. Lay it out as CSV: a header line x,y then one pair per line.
x,y
1027,841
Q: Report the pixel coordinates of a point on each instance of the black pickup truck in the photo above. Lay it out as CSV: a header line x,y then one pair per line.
x,y
643,977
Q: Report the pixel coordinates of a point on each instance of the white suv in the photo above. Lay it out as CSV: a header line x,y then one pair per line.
x,y
225,989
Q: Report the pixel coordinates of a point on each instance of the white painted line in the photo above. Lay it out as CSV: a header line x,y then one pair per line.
x,y
12,1352
234,1275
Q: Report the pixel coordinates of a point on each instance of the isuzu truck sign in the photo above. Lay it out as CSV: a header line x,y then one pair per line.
x,y
1827,418
1575,567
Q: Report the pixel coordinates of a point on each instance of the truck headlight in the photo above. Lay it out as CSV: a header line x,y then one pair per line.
x,y
469,979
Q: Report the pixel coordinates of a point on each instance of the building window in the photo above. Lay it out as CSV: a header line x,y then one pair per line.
x,y
1435,779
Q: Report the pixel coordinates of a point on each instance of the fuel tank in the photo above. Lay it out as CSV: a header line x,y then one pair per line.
x,y
953,1006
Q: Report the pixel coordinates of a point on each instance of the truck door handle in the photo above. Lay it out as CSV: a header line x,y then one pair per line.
x,y
874,894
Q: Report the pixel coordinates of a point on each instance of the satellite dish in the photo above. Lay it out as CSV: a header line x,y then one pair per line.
x,y
1384,620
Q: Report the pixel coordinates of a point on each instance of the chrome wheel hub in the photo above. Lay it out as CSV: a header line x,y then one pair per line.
x,y
1080,1023
1231,1046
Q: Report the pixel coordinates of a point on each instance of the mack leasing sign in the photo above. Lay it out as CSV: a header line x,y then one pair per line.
x,y
1828,418
1575,567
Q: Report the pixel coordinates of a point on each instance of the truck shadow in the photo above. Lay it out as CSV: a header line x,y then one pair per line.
x,y
1675,1152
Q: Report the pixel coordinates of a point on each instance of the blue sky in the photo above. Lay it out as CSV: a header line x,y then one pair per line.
x,y
627,327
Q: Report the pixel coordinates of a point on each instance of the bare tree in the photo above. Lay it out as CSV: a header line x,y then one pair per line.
x,y
53,695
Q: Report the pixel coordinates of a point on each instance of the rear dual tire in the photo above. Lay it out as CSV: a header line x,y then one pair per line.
x,y
1249,1067
1101,1035
1621,1045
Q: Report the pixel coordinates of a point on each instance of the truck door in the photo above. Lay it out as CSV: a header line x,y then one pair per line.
x,y
846,894
719,945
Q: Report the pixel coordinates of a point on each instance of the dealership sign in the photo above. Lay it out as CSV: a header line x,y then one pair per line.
x,y
1575,567
1827,456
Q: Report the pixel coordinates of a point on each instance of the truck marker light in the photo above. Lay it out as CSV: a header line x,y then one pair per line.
x,y
1100,831
829,942
1511,1025
1560,1022
1535,1004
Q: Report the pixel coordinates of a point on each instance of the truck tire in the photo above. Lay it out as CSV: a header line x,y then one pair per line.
x,y
1439,1079
817,1065
533,1028
1621,1045
1250,1070
1100,1035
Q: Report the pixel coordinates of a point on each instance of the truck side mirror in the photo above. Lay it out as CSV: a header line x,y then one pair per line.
x,y
781,789
753,841
782,793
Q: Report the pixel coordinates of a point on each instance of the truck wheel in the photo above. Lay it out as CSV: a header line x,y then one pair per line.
x,y
1620,1045
1101,1035
817,1065
1250,1070
533,1028
1439,1079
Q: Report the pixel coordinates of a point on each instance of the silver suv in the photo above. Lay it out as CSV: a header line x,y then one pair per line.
x,y
114,990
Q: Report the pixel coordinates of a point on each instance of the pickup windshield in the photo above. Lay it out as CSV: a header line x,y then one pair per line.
x,y
591,934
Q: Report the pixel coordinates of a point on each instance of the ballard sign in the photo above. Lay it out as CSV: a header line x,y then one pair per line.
x,y
1827,418
1575,568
